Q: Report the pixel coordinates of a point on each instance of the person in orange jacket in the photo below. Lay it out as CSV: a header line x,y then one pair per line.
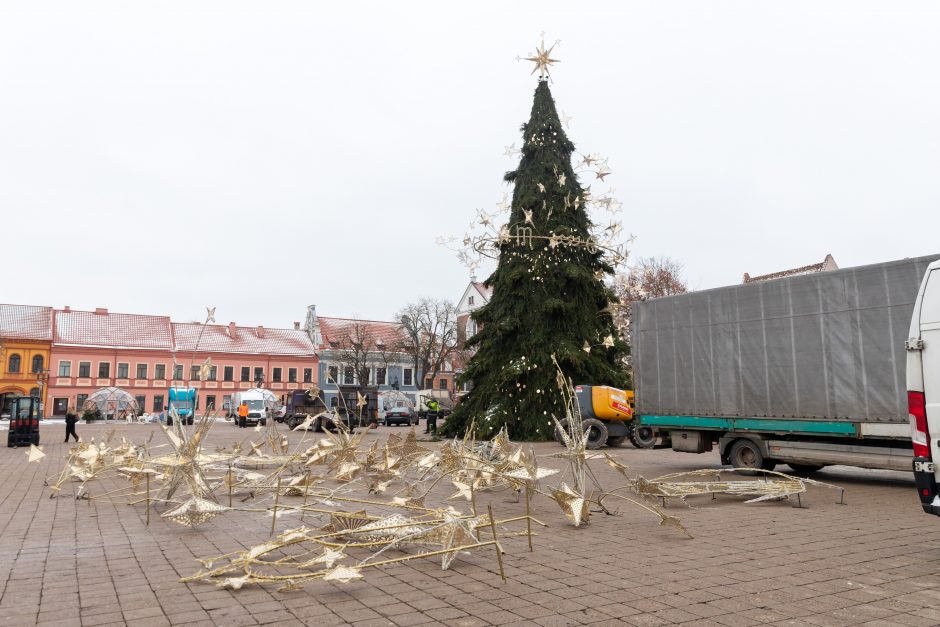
x,y
242,414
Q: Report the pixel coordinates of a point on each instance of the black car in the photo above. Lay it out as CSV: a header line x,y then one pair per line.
x,y
402,415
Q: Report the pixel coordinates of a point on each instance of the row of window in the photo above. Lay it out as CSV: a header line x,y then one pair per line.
x,y
159,372
16,362
377,376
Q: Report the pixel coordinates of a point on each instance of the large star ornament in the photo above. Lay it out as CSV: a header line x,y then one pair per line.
x,y
542,59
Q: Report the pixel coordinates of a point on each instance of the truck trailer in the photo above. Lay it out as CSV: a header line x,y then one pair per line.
x,y
806,370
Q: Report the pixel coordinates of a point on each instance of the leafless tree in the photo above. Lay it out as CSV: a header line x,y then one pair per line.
x,y
356,348
649,277
430,335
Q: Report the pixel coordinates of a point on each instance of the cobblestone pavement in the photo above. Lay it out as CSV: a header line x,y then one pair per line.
x,y
873,561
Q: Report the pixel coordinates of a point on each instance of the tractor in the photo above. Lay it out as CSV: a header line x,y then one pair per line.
x,y
607,413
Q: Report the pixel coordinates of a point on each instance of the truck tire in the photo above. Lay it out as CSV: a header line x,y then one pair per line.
x,y
558,431
597,433
616,441
641,436
746,453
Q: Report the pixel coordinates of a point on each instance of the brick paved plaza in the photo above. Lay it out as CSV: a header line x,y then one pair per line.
x,y
875,560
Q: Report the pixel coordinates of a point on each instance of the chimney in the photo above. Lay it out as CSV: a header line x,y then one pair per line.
x,y
101,311
231,329
66,309
260,331
296,326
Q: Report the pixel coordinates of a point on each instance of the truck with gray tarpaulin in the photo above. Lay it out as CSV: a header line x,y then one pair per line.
x,y
806,370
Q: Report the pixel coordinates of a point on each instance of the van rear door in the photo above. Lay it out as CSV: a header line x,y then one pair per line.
x,y
923,389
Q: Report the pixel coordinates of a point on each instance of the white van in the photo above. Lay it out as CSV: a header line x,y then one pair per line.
x,y
261,405
923,388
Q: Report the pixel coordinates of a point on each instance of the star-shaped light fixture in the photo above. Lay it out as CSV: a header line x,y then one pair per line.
x,y
542,59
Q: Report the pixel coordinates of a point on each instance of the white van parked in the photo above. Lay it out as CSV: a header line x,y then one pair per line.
x,y
261,405
923,389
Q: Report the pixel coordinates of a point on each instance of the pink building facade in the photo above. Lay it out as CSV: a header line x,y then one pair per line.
x,y
146,355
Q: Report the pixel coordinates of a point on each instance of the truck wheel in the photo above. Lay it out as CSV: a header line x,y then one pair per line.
x,y
804,470
616,441
641,436
597,433
746,454
558,431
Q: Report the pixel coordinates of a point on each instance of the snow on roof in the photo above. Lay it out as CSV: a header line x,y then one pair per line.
x,y
26,322
340,330
118,330
234,339
826,265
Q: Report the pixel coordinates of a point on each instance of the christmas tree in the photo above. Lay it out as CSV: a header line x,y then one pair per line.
x,y
549,294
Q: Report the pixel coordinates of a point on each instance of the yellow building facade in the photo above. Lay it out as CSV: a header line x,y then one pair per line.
x,y
25,347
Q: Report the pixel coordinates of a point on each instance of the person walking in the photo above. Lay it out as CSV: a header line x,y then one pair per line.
x,y
71,419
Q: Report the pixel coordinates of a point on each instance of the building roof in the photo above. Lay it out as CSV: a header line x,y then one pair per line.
x,y
826,265
26,322
486,291
340,330
218,338
113,330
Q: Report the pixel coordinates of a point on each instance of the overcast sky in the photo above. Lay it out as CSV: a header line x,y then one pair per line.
x,y
159,157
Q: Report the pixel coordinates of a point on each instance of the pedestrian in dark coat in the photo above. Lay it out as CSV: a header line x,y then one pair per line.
x,y
71,419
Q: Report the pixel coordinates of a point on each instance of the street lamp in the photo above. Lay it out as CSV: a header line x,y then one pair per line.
x,y
42,379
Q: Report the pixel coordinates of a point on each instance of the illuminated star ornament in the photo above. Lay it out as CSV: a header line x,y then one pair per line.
x,y
542,59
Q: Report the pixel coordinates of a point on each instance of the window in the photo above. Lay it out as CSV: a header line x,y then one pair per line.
x,y
443,384
122,370
81,398
227,402
407,376
213,373
159,372
104,369
246,373
178,372
34,392
292,375
470,300
141,371
141,403
349,375
158,402
428,384
308,375
14,365
37,363
381,374
276,374
84,370
65,369
259,375
228,373
332,374
194,373
471,328
210,403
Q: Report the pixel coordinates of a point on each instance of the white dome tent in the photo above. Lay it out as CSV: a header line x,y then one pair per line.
x,y
111,402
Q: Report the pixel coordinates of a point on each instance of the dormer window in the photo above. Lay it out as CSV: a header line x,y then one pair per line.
x,y
470,300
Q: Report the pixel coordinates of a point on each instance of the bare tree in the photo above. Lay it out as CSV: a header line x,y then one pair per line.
x,y
356,348
650,277
430,330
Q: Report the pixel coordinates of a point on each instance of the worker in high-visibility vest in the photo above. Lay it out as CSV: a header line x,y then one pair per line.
x,y
434,410
243,415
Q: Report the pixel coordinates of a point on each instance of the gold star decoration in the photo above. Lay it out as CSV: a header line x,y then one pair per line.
x,y
528,216
561,180
210,314
541,188
542,59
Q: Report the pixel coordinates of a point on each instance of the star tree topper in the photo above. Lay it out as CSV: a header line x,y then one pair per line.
x,y
542,58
